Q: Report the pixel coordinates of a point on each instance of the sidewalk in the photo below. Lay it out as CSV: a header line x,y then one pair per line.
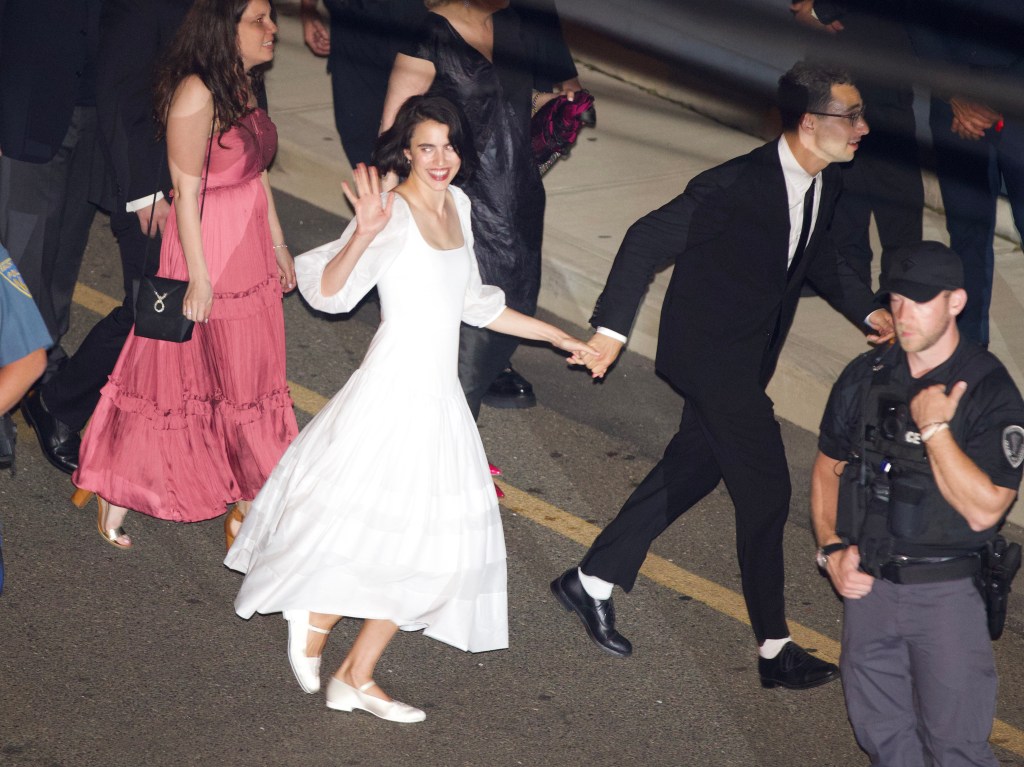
x,y
645,149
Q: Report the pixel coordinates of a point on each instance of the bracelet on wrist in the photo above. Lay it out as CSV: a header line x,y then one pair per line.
x,y
932,429
282,246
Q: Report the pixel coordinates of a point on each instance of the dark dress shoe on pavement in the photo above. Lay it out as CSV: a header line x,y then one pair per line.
x,y
598,615
58,441
796,669
510,391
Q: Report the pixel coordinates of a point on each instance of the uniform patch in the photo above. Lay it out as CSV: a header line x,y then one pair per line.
x,y
10,273
1013,445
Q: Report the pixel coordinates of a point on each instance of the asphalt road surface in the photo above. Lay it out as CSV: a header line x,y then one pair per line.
x,y
112,658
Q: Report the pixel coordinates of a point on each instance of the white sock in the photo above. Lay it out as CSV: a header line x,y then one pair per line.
x,y
595,587
772,647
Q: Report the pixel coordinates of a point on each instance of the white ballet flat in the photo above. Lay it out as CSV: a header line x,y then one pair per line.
x,y
343,697
306,669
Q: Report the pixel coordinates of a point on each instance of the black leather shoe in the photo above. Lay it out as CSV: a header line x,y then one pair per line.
x,y
8,432
796,669
58,441
598,615
510,391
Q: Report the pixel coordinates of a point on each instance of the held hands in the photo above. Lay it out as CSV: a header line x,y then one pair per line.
x,y
608,350
844,571
371,216
932,405
881,321
971,119
582,352
198,300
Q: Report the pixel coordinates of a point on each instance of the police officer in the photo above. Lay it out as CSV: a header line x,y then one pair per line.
x,y
919,460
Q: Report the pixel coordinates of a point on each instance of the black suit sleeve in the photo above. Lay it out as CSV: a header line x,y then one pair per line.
x,y
651,244
839,284
134,37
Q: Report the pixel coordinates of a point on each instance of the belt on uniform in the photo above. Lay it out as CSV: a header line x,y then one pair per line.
x,y
912,572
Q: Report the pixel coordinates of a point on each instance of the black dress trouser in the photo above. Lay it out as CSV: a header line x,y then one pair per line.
x,y
741,444
72,394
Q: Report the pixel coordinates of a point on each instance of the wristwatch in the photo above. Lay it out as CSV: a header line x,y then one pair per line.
x,y
825,551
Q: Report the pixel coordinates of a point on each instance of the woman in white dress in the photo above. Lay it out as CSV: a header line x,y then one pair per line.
x,y
335,532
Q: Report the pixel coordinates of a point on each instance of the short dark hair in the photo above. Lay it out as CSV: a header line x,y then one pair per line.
x,y
807,87
389,153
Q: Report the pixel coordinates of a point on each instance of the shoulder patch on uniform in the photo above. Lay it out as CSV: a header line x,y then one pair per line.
x,y
10,273
1013,445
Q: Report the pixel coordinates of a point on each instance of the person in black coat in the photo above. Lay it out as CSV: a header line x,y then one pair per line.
x,y
743,236
133,36
47,136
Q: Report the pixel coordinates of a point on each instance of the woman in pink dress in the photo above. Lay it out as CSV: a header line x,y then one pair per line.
x,y
184,430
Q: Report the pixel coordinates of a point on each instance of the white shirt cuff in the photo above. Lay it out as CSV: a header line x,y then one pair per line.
x,y
143,202
612,334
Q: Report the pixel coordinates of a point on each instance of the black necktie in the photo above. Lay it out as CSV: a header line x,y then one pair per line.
x,y
805,228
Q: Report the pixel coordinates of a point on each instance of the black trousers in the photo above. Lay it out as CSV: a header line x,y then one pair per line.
x,y
483,354
741,444
72,394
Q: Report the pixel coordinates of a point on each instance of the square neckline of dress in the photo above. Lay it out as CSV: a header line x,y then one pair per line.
x,y
419,233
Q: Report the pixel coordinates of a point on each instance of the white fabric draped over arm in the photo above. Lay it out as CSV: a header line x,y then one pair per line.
x,y
309,267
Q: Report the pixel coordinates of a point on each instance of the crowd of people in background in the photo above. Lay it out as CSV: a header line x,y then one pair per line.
x,y
154,112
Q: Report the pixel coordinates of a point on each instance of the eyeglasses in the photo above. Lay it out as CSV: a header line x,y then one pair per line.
x,y
851,117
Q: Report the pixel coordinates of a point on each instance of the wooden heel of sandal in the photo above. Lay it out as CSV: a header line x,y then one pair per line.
x,y
81,497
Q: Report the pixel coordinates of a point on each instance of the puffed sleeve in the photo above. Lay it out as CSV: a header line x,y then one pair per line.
x,y
309,267
483,303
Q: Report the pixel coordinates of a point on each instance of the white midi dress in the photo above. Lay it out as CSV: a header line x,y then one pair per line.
x,y
383,506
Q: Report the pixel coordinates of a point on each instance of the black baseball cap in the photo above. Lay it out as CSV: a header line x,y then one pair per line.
x,y
920,271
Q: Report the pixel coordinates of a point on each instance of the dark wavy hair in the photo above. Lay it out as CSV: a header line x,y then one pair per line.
x,y
807,87
389,153
207,46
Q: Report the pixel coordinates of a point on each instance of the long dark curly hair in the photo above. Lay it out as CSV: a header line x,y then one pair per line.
x,y
207,46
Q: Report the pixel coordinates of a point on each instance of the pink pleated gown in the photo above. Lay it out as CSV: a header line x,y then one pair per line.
x,y
182,430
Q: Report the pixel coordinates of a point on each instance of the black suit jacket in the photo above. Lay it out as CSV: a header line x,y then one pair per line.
x,y
134,36
46,50
729,304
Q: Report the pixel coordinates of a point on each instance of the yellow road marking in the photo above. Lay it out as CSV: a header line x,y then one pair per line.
x,y
657,569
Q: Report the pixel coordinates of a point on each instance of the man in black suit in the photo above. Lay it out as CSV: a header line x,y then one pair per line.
x,y
133,36
743,236
47,135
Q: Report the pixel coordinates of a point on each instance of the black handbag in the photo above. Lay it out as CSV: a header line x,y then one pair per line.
x,y
159,301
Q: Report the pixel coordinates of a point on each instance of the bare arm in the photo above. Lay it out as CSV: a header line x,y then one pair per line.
x,y
409,77
843,566
962,483
371,218
515,323
16,377
285,263
189,122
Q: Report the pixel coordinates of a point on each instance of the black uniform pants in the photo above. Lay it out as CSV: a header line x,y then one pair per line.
x,y
741,444
72,394
483,354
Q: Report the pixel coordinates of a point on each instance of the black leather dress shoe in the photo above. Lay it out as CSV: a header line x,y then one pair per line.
x,y
510,391
598,615
796,669
58,441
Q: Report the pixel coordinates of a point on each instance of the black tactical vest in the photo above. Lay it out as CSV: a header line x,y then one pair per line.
x,y
889,503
